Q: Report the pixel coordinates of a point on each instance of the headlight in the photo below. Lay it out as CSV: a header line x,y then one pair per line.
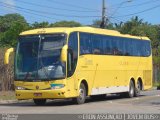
x,y
57,86
20,88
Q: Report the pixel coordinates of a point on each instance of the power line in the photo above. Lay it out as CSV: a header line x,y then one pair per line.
x,y
144,3
117,20
71,5
119,3
136,5
49,13
51,7
138,12
11,7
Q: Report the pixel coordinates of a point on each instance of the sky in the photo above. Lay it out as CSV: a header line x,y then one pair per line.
x,y
83,11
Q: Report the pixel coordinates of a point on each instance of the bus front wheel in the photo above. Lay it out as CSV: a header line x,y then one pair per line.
x,y
82,95
39,101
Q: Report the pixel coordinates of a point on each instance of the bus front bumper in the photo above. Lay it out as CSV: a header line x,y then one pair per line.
x,y
41,94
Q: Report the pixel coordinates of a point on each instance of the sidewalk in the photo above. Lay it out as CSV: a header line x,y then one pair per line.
x,y
13,101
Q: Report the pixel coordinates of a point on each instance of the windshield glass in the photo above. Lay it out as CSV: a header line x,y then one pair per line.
x,y
38,57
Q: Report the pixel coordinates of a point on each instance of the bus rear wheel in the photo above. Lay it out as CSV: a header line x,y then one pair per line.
x,y
39,102
82,95
137,89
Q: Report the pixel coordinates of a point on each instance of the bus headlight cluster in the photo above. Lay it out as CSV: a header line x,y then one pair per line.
x,y
20,88
57,86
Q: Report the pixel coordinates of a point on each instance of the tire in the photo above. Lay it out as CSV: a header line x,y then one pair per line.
x,y
39,102
131,92
137,89
82,95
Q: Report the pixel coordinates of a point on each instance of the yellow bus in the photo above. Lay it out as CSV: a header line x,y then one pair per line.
x,y
58,63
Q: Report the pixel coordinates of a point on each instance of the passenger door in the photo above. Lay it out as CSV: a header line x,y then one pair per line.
x,y
72,58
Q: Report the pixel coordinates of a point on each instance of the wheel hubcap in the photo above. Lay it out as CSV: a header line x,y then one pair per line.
x,y
81,94
131,90
138,87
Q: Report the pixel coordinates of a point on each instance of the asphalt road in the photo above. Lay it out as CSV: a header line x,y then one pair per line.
x,y
148,102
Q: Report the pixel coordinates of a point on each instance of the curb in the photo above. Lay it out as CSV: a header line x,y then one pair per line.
x,y
154,88
13,101
8,101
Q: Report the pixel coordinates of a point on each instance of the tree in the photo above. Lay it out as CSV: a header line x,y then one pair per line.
x,y
97,23
118,26
40,25
10,37
10,27
66,24
130,26
8,20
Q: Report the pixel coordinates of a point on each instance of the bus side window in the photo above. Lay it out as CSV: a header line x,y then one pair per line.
x,y
85,44
147,48
97,44
84,50
96,51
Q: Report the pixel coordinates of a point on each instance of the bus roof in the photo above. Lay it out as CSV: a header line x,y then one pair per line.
x,y
80,29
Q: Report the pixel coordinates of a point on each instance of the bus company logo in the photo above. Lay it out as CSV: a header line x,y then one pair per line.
x,y
37,87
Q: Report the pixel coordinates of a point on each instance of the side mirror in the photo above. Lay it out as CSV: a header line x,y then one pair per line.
x,y
64,53
7,54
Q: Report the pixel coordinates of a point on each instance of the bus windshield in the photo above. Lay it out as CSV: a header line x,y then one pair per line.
x,y
38,57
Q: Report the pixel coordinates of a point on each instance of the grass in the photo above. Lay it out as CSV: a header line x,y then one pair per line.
x,y
7,95
156,84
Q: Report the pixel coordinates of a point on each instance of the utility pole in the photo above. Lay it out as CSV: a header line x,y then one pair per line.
x,y
103,22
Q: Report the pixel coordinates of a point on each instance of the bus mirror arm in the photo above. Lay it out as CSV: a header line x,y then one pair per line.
x,y
7,54
64,53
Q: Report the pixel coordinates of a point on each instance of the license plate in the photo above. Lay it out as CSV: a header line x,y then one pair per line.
x,y
37,94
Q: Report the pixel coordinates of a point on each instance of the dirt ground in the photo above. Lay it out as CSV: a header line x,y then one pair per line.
x,y
7,95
